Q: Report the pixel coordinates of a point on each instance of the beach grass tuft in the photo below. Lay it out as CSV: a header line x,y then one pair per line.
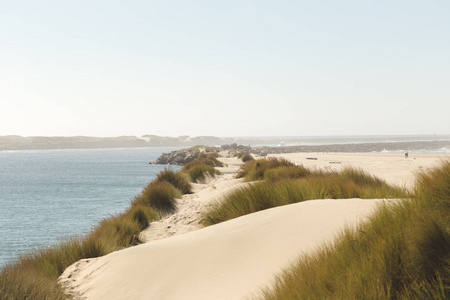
x,y
202,167
292,184
244,156
177,179
287,172
402,252
159,196
35,275
255,169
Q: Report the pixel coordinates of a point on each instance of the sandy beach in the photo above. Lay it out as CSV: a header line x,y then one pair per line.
x,y
237,258
395,169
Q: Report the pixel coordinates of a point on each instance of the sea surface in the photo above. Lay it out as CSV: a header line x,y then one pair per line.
x,y
47,196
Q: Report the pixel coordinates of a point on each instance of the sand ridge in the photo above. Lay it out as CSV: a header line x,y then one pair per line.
x,y
230,260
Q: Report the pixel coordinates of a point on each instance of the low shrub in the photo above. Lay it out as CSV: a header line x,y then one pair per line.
x,y
247,157
244,156
177,179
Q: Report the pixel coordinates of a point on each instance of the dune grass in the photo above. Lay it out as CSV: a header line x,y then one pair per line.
x,y
34,276
287,172
209,159
177,179
202,167
403,252
160,195
255,169
244,156
287,184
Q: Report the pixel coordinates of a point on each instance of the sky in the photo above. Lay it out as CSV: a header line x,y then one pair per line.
x,y
224,68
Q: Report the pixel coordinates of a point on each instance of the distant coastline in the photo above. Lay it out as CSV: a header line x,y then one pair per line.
x,y
302,144
417,146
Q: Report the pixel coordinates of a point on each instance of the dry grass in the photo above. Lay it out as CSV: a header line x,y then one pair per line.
x,y
292,184
255,169
244,156
35,275
287,172
202,167
177,179
160,196
205,159
403,252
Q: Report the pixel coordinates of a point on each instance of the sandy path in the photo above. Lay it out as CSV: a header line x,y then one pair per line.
x,y
192,206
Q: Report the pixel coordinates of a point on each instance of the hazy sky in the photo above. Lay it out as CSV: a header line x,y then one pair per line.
x,y
224,68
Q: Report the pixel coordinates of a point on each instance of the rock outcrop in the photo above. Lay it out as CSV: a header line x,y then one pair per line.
x,y
183,156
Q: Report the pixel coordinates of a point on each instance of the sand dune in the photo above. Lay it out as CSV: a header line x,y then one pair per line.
x,y
231,260
234,259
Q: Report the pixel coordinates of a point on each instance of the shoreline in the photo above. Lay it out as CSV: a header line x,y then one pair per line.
x,y
296,144
179,249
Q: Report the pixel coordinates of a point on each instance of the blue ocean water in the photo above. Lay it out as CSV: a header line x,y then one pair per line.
x,y
49,195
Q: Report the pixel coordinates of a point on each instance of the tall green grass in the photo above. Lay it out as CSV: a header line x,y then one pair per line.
x,y
292,184
403,252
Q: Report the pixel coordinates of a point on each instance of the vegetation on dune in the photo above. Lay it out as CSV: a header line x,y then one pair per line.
x,y
160,196
202,166
34,276
198,173
403,252
292,184
205,159
286,172
255,169
244,156
177,179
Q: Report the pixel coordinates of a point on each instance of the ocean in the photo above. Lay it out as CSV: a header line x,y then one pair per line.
x,y
47,196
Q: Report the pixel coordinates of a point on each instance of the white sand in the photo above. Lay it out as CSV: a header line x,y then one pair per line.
x,y
394,168
234,259
231,260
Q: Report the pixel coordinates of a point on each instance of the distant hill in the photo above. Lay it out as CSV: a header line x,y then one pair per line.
x,y
299,144
15,142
